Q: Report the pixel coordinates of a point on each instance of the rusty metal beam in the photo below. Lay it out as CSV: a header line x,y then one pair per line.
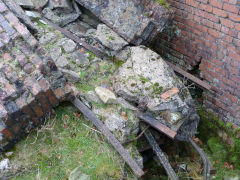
x,y
157,125
205,159
159,153
109,136
194,79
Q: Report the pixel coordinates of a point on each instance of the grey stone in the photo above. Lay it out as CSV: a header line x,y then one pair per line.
x,y
60,17
123,55
25,3
55,52
93,97
107,96
144,78
77,174
80,59
33,14
18,12
40,3
71,76
90,19
136,21
109,38
68,45
126,104
4,164
62,62
63,4
123,129
47,38
79,28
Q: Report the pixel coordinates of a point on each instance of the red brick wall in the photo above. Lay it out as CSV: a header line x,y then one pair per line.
x,y
207,32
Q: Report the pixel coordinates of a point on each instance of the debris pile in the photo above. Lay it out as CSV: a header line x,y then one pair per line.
x,y
144,92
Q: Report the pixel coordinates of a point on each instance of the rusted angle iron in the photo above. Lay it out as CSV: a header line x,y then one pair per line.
x,y
75,38
205,159
159,153
110,137
194,79
157,125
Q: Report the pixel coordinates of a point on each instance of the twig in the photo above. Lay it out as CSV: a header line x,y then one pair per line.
x,y
136,138
91,128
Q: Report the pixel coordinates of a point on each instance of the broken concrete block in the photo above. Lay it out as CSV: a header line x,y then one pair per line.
x,y
109,38
145,79
135,20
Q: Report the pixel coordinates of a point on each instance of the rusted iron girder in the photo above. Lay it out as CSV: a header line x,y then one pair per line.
x,y
159,153
109,136
205,159
157,125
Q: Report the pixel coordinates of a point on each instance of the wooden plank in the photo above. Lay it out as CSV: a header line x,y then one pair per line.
x,y
109,136
194,79
157,125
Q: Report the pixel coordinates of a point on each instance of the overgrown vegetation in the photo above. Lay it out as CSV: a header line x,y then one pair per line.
x,y
222,143
64,143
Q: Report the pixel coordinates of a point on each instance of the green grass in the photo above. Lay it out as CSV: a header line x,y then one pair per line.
x,y
64,143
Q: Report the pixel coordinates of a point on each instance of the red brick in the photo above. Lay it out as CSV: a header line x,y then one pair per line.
x,y
231,97
233,1
211,17
37,109
192,3
11,18
8,134
234,17
215,3
225,29
214,33
52,98
7,56
206,7
230,8
21,29
227,23
21,59
234,55
228,39
220,12
237,27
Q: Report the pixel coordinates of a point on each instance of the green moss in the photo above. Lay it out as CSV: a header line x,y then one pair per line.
x,y
91,55
111,38
162,3
133,84
221,151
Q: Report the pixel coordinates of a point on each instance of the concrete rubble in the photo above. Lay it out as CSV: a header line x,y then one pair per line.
x,y
140,79
136,21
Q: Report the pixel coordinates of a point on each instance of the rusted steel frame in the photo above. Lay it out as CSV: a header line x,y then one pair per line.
x,y
194,79
110,137
157,125
159,153
205,159
75,38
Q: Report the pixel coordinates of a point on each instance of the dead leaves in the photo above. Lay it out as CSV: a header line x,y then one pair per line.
x,y
124,115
